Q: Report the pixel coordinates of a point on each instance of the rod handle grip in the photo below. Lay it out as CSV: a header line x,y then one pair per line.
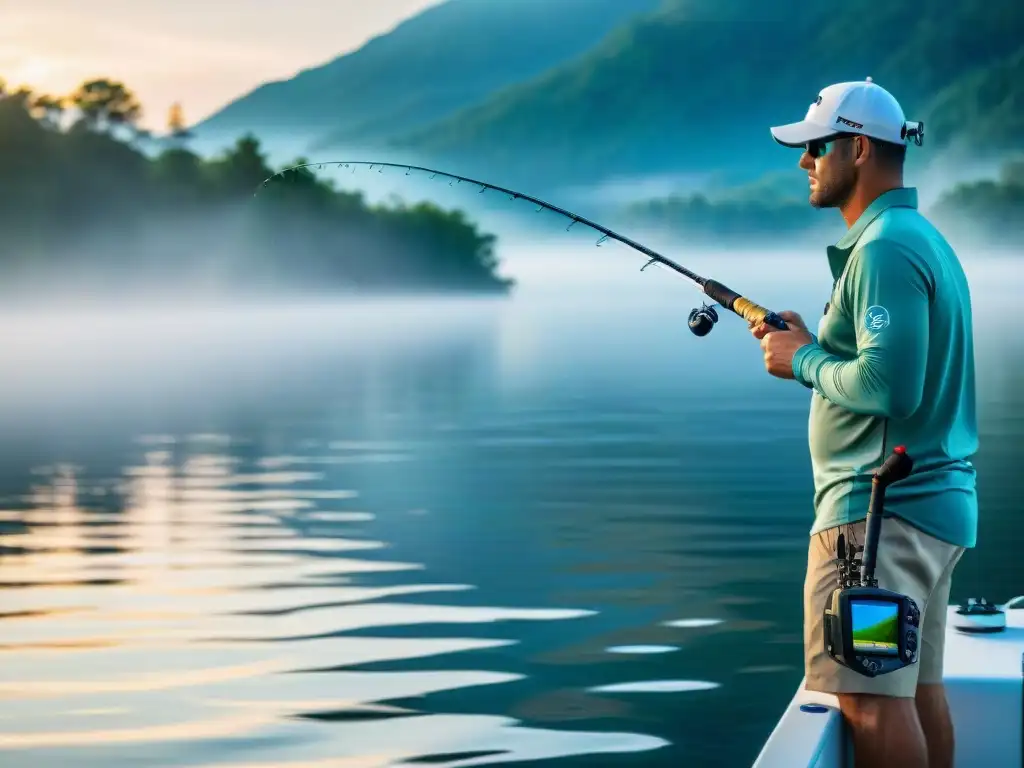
x,y
753,313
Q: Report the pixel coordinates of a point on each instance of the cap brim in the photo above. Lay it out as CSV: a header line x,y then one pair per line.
x,y
798,134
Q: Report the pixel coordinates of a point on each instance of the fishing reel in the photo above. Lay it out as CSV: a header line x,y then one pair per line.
x,y
702,319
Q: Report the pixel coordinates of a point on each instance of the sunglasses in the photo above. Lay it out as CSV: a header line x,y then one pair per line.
x,y
821,147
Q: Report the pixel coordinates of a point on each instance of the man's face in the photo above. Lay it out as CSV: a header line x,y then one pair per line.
x,y
831,171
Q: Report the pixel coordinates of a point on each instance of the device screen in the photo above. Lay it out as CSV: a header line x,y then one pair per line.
x,y
875,626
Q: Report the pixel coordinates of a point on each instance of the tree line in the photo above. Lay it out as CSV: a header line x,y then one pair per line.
x,y
90,199
987,212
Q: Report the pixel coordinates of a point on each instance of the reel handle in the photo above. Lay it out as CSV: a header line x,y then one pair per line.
x,y
753,313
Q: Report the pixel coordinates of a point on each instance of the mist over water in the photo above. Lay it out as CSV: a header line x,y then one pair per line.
x,y
554,528
198,259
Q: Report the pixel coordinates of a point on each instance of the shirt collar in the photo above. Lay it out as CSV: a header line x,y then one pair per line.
x,y
839,254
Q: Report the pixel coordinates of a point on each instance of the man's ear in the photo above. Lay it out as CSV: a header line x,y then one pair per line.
x,y
861,149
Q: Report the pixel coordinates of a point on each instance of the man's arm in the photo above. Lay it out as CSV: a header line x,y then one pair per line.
x,y
888,296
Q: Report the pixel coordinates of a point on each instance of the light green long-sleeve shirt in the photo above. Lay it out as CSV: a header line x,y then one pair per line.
x,y
893,364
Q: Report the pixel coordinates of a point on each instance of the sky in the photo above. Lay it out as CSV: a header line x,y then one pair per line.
x,y
202,53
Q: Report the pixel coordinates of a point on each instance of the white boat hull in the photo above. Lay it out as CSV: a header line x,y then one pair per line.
x,y
984,678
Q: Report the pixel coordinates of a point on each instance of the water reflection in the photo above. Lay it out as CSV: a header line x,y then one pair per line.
x,y
213,621
480,544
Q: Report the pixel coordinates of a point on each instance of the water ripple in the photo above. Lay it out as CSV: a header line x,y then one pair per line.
x,y
206,610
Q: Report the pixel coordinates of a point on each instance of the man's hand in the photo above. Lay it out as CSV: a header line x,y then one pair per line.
x,y
780,346
793,320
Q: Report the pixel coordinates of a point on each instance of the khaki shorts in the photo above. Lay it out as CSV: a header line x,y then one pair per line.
x,y
909,562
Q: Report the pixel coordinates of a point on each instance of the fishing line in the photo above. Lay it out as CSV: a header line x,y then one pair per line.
x,y
701,319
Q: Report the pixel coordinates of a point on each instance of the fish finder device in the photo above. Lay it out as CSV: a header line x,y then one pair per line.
x,y
868,629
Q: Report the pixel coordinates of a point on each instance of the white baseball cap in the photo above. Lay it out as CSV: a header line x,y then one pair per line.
x,y
857,107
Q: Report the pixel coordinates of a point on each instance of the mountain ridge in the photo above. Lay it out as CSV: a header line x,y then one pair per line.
x,y
431,64
633,104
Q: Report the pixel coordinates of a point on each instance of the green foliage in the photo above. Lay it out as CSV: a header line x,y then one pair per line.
x,y
1012,173
984,108
696,85
992,209
106,104
885,631
989,211
742,214
447,57
88,209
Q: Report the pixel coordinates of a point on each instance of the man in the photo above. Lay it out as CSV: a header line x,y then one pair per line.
x,y
892,364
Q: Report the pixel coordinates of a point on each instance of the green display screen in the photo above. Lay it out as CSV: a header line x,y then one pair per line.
x,y
875,625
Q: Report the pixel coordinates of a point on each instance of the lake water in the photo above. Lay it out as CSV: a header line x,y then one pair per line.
x,y
557,530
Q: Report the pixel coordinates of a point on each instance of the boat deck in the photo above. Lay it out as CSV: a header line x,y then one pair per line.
x,y
984,676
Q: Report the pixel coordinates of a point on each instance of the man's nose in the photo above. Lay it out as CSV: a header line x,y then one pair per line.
x,y
806,161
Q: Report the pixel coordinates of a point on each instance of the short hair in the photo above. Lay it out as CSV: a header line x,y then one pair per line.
x,y
889,154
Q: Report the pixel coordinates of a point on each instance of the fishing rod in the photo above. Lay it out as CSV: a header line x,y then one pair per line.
x,y
701,319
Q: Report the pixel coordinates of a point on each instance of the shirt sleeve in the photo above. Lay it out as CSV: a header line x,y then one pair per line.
x,y
888,296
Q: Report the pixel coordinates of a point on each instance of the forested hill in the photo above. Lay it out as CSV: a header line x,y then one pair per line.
x,y
696,84
84,211
445,58
988,212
